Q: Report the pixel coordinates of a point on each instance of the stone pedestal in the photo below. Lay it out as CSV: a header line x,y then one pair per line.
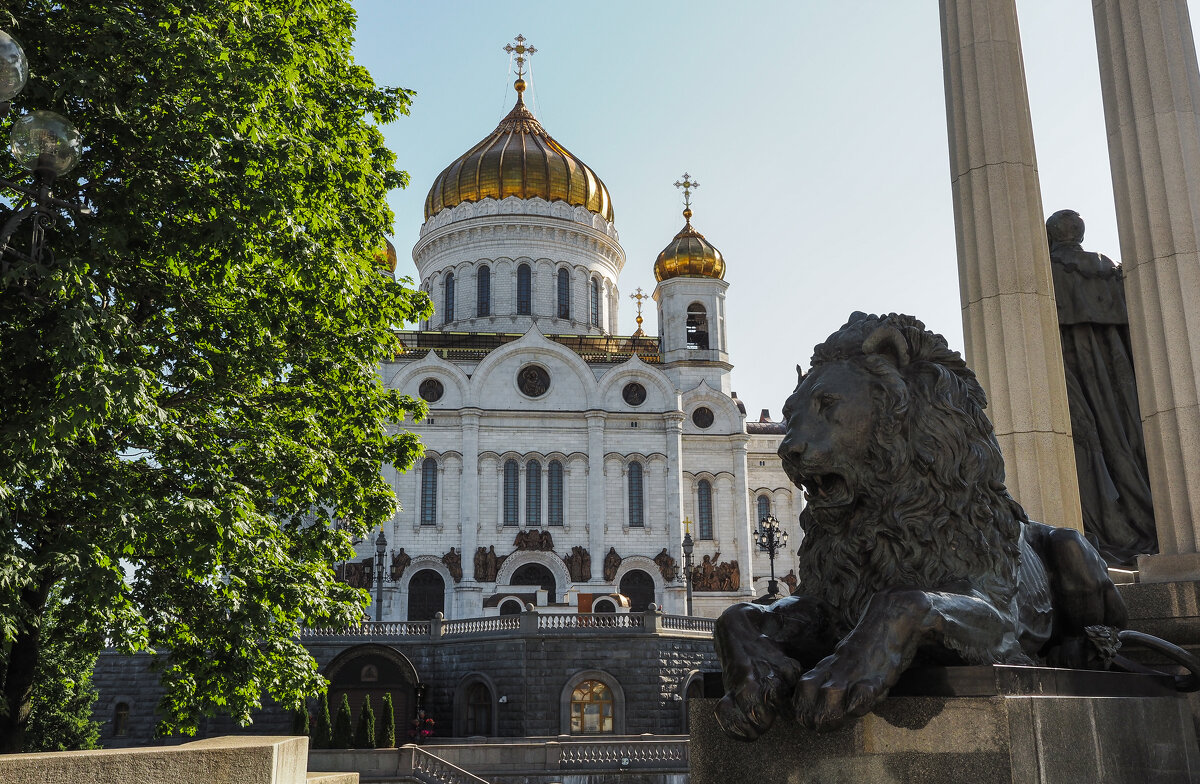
x,y
1027,731
1010,324
1151,88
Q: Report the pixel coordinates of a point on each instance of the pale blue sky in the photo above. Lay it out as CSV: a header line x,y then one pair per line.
x,y
816,129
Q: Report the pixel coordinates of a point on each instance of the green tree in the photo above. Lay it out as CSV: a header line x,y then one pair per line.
x,y
387,735
60,717
342,739
364,733
300,723
191,395
322,735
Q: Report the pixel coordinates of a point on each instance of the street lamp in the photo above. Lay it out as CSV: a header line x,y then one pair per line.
x,y
380,551
688,547
771,538
42,142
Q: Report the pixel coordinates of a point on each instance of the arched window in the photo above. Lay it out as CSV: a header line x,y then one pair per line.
x,y
533,493
554,492
535,574
478,720
764,507
448,310
564,293
426,595
511,479
704,509
510,607
594,301
483,291
639,587
591,708
429,479
121,720
697,326
637,517
524,290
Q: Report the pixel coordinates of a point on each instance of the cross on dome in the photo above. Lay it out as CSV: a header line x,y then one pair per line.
x,y
688,185
637,297
522,51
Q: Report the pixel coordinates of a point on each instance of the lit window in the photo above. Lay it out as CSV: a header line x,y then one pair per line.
x,y
564,294
591,708
483,292
704,509
533,493
636,517
511,479
554,489
429,492
524,290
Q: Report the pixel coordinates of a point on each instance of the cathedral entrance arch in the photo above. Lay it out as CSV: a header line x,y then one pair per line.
x,y
373,670
639,587
426,595
534,574
551,562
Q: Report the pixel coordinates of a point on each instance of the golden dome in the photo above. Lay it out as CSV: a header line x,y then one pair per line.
x,y
518,159
689,255
386,256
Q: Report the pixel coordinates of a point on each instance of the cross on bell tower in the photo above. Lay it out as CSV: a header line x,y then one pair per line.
x,y
522,52
637,297
688,185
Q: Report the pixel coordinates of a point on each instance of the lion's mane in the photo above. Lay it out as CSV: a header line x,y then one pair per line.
x,y
931,508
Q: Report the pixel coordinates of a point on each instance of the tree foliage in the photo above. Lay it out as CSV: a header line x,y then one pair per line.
x,y
191,388
342,737
387,733
60,718
364,732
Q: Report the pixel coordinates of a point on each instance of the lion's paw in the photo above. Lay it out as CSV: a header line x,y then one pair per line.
x,y
758,690
836,689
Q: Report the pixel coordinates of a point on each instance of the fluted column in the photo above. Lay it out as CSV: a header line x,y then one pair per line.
x,y
743,533
469,511
596,500
675,594
1010,325
1151,89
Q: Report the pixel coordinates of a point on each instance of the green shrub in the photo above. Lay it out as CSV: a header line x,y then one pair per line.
x,y
364,734
321,734
387,735
342,739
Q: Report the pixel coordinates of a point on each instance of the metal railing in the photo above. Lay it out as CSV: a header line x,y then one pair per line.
x,y
473,345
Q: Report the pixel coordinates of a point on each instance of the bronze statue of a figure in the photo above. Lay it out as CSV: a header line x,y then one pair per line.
x,y
913,549
1110,453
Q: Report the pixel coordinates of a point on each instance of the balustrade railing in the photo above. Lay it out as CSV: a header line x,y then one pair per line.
x,y
526,623
432,769
624,755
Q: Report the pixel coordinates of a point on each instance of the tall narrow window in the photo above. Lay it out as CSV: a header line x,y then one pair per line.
x,y
429,492
594,301
764,507
121,720
704,509
511,479
533,493
554,488
697,326
483,291
524,290
564,294
448,310
636,496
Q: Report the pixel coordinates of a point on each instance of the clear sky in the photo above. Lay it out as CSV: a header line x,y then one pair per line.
x,y
816,129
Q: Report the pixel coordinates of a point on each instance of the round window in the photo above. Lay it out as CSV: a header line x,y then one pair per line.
x,y
634,393
431,390
533,380
702,417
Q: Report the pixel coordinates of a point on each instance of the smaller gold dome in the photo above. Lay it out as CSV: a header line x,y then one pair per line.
x,y
689,255
386,256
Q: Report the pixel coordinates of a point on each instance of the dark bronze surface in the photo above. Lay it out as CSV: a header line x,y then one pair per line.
x,y
914,552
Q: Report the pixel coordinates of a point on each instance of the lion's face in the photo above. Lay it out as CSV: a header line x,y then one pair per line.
x,y
830,420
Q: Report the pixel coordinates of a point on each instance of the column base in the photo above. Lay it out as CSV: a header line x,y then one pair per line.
x,y
1164,568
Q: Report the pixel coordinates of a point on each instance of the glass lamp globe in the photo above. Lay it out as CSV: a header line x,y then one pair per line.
x,y
45,140
14,67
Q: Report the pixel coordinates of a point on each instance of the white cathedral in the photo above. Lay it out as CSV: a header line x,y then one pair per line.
x,y
563,463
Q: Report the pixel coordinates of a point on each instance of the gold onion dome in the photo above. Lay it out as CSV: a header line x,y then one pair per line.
x,y
689,255
519,159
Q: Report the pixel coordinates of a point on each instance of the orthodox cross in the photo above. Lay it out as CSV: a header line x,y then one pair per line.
x,y
637,297
521,51
688,185
687,525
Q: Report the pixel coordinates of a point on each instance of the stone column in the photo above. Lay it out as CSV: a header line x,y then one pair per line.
x,y
469,495
1151,87
596,501
743,527
1010,325
675,595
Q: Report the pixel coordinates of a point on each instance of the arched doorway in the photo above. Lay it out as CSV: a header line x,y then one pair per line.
x,y
426,595
373,670
639,587
535,574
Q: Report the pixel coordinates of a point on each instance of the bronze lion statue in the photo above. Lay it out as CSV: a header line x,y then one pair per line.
x,y
913,549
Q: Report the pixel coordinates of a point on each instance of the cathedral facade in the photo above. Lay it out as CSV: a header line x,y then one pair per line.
x,y
564,463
